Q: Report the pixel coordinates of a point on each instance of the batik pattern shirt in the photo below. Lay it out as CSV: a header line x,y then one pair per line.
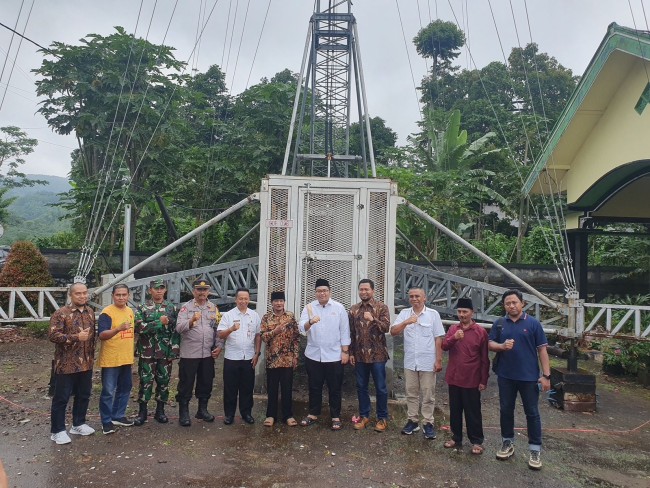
x,y
155,340
282,348
368,337
71,355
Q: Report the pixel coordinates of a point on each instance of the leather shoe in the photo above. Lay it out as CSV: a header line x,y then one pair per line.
x,y
381,425
248,419
361,424
228,419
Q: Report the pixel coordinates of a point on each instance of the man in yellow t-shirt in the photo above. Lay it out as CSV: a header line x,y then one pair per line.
x,y
115,360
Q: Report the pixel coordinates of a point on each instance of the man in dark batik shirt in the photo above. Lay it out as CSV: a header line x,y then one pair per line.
x,y
369,322
72,329
158,345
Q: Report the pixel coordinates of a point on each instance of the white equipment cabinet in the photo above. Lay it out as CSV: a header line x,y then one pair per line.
x,y
342,230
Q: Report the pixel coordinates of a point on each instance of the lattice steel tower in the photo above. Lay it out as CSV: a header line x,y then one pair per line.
x,y
330,76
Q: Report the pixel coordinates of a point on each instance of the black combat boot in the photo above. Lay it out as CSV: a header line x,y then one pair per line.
x,y
184,414
160,413
203,413
142,414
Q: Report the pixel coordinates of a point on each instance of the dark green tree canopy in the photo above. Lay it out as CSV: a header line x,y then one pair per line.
x,y
441,41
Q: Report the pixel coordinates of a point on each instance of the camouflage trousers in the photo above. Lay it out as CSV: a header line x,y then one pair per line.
x,y
150,369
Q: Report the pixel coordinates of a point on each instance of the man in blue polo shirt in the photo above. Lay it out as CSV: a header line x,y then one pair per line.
x,y
520,341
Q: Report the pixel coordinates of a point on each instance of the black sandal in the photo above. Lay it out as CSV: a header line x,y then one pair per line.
x,y
307,421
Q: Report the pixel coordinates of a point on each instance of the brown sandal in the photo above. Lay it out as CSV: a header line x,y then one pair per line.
x,y
477,449
291,422
449,444
337,425
269,421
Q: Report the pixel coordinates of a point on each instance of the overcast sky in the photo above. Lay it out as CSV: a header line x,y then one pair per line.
x,y
569,30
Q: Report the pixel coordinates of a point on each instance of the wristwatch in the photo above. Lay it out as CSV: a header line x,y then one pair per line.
x,y
547,376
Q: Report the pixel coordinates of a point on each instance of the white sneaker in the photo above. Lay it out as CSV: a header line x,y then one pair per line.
x,y
61,437
83,429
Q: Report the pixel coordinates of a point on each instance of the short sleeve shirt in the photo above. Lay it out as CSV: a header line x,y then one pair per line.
x,y
419,338
240,344
521,362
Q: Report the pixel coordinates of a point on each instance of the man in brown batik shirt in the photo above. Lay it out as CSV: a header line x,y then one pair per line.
x,y
281,336
369,322
72,329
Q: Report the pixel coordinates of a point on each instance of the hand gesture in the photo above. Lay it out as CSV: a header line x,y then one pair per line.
x,y
481,387
413,319
124,326
215,352
164,319
235,325
459,335
368,316
352,360
195,317
508,344
84,335
314,320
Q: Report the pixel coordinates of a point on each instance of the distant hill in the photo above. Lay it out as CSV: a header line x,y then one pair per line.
x,y
31,213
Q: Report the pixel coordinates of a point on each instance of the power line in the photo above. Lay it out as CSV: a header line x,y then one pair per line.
x,y
29,40
13,66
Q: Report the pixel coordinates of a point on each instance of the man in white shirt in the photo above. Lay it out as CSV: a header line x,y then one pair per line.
x,y
423,335
325,323
240,328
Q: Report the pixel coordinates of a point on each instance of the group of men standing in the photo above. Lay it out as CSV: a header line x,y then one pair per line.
x,y
198,333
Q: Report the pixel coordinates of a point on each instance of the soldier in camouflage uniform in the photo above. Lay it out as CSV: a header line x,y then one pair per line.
x,y
158,345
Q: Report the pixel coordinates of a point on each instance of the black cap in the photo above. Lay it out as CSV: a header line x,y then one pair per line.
x,y
277,295
201,283
465,303
322,282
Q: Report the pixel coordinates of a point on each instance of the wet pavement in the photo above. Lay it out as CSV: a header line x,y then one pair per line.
x,y
610,448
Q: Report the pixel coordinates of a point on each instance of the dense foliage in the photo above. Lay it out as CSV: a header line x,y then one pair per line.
x,y
147,130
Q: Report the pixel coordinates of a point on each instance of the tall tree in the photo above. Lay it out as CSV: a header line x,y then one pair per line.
x,y
14,146
441,41
119,96
383,139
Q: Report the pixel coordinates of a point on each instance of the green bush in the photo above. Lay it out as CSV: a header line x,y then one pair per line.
x,y
25,266
38,329
624,357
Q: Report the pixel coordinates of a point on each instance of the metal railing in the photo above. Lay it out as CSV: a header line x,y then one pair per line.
x,y
444,289
224,279
610,320
36,303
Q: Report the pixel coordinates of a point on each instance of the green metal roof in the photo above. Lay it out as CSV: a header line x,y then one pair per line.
x,y
618,38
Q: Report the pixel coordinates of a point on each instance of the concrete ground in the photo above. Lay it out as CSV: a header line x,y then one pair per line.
x,y
610,448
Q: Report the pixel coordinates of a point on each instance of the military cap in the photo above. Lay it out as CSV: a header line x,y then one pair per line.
x,y
157,284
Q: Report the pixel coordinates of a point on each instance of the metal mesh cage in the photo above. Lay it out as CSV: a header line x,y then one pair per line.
x,y
377,229
278,242
330,222
339,273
